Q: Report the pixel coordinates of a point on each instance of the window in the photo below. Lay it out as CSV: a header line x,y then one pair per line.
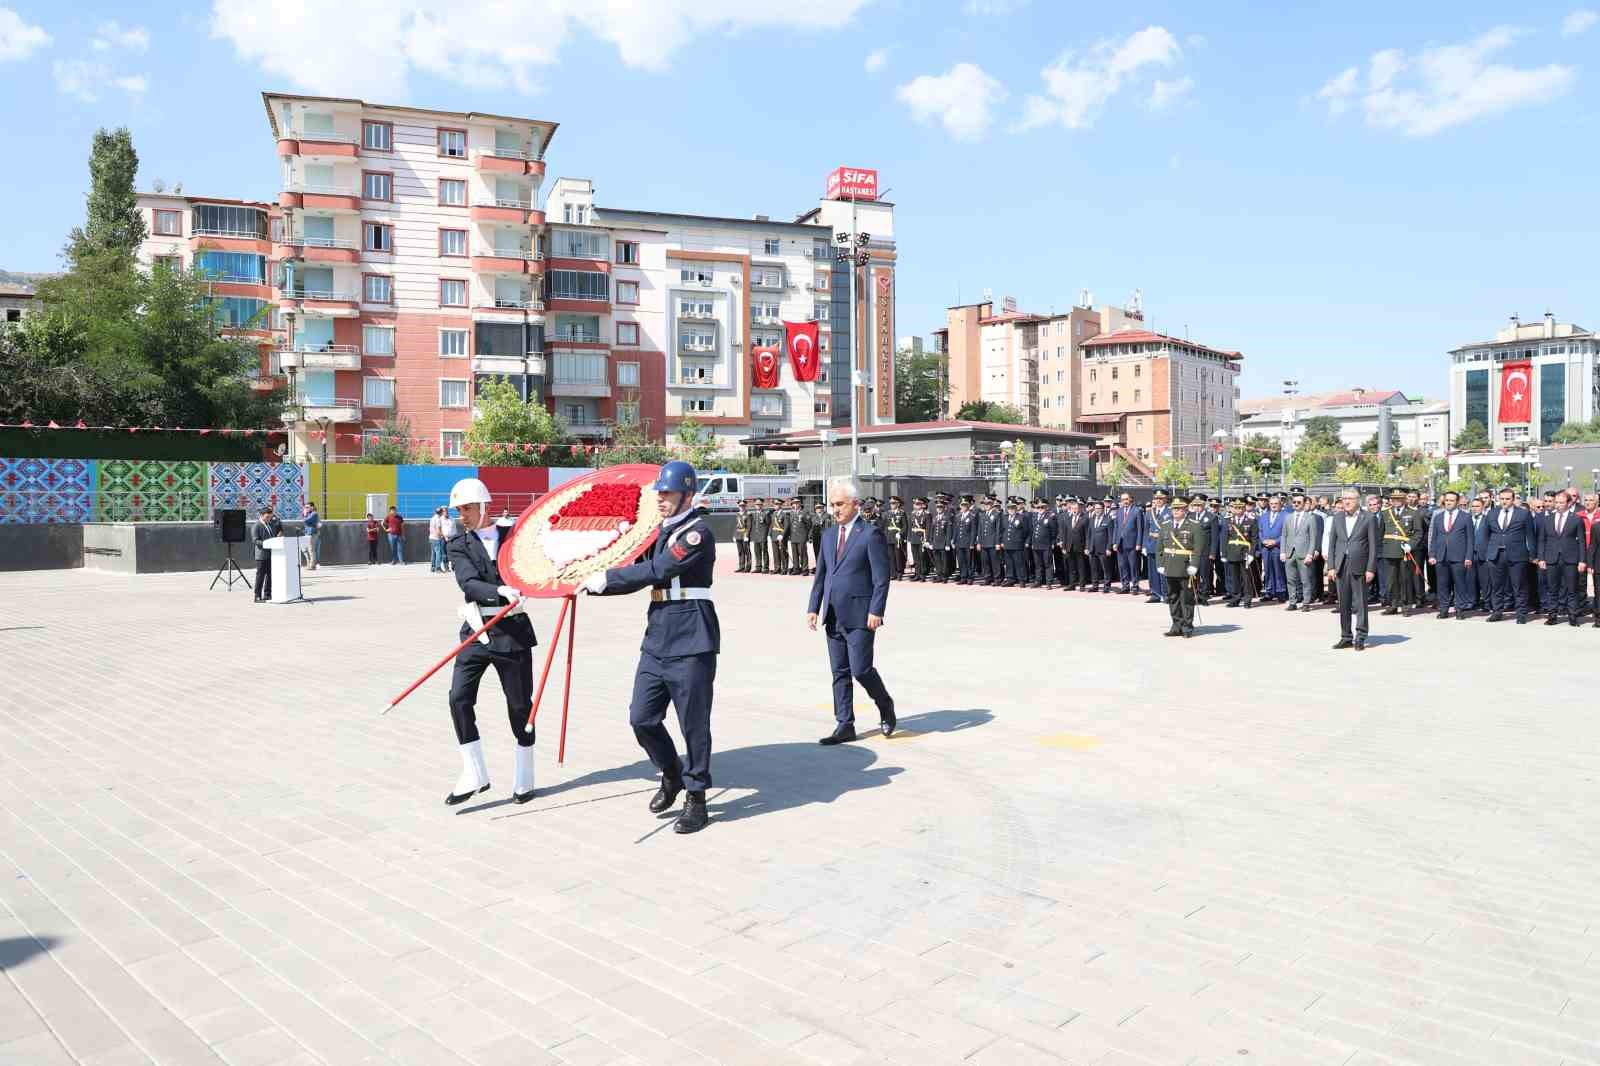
x,y
627,292
820,407
819,311
764,312
1136,371
377,237
227,221
168,224
696,309
452,443
453,343
1113,373
377,136
505,338
1138,394
579,244
697,340
376,185
1093,374
235,312
1113,397
1552,399
453,144
453,242
377,392
579,285
169,262
452,192
695,275
697,405
628,252
628,375
1478,397
379,289
771,246
452,393
1138,423
452,292
628,336
377,340
628,414
240,267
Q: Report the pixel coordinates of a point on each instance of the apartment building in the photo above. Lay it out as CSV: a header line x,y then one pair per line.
x,y
1153,396
694,294
1547,368
1419,424
408,263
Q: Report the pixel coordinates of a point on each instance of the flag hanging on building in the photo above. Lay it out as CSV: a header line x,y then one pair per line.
x,y
802,340
1516,393
764,368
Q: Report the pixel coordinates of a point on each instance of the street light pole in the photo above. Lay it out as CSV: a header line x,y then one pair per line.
x,y
853,250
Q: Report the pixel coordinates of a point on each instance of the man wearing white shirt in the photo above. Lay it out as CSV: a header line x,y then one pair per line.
x,y
1352,558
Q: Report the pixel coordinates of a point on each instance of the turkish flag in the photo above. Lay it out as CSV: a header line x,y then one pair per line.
x,y
1516,392
764,368
802,340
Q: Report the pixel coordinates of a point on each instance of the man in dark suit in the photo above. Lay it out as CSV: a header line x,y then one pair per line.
x,y
267,526
1127,534
850,593
1352,559
1511,545
1450,553
474,560
1478,576
1560,554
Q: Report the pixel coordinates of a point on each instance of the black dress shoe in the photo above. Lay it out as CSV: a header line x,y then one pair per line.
x,y
1152,599
1173,632
1361,645
1522,620
1495,617
1442,615
1573,621
666,795
1188,631
843,735
1552,620
462,797
692,818
1291,607
1233,603
523,797
1462,616
1391,610
887,720
1344,642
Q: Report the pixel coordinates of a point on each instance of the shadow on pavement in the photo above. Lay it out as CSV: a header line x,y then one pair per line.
x,y
16,950
1202,631
1373,640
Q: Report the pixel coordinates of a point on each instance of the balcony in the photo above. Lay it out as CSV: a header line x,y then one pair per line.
x,y
327,144
518,212
766,407
510,161
591,430
690,348
762,284
574,336
703,377
302,356
327,300
313,409
579,374
690,313
343,198
505,261
509,364
772,321
322,249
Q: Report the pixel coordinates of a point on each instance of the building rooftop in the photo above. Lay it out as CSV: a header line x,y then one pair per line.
x,y
1354,397
943,426
1357,410
809,227
1144,336
549,127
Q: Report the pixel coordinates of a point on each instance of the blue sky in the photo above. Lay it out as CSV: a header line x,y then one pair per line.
x,y
1342,194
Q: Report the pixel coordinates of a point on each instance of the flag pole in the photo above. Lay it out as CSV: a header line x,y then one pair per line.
x,y
566,691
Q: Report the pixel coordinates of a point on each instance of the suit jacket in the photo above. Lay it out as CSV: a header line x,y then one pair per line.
x,y
1480,537
1301,536
683,556
1357,551
1127,528
1454,546
1099,535
849,586
1564,547
478,576
1517,542
263,531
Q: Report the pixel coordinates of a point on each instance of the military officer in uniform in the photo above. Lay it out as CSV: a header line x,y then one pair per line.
x,y
1395,550
894,529
820,520
782,519
741,537
940,530
1238,551
917,538
678,657
760,523
1014,540
508,647
965,539
1041,539
799,537
1180,543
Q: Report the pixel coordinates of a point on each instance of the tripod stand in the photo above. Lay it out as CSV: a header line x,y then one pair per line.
x,y
230,571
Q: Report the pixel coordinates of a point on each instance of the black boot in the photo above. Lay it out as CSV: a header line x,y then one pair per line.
x,y
666,795
692,818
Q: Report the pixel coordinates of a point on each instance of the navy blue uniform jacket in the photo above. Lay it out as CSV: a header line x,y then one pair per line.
x,y
479,578
856,584
683,556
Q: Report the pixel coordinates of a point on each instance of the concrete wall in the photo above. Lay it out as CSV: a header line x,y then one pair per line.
x,y
41,547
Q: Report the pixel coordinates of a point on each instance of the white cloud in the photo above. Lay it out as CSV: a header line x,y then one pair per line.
x,y
1077,88
1164,94
962,99
1443,86
87,79
18,39
110,35
877,60
982,8
370,48
1578,22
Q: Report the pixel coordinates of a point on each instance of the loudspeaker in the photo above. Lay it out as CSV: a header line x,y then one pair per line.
x,y
230,524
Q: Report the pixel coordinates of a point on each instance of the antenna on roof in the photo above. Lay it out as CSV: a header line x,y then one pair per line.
x,y
1084,298
1136,303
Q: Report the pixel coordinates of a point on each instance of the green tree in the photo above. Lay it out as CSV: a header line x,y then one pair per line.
x,y
1474,437
1117,471
1022,470
698,445
630,444
988,411
1370,445
1321,430
921,386
1174,472
1577,432
1244,461
113,223
505,425
747,464
394,446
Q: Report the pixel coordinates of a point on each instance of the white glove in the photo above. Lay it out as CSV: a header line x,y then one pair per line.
x,y
508,593
595,585
1193,571
518,600
1248,557
1161,570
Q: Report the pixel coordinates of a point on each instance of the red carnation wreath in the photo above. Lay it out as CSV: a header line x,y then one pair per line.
x,y
604,519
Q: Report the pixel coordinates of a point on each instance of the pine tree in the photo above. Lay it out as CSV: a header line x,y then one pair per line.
x,y
113,224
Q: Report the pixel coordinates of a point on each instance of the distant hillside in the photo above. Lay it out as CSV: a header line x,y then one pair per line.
x,y
23,278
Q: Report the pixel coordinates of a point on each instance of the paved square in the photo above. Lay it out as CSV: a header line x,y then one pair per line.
x,y
1091,845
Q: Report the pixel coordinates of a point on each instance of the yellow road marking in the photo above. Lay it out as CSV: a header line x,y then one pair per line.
x,y
1070,741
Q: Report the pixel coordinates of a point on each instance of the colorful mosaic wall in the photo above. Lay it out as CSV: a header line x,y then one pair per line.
x,y
255,485
151,490
47,490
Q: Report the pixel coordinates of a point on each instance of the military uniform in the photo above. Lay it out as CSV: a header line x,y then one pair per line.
x,y
820,520
917,539
1097,548
779,534
1397,553
1238,551
940,530
990,521
1180,543
965,540
894,530
799,537
760,524
741,537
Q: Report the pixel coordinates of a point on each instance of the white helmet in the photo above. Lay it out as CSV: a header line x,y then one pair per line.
x,y
469,490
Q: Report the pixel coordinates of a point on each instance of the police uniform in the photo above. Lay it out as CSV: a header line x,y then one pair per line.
x,y
741,538
1014,541
1041,539
964,540
917,538
474,561
1180,542
760,522
894,529
939,534
678,656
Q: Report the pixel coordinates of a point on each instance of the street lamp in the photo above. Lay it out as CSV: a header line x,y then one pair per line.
x,y
1265,465
827,436
1594,478
1569,478
854,251
1219,442
325,422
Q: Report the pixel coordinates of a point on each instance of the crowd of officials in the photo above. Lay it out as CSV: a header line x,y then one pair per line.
x,y
1503,555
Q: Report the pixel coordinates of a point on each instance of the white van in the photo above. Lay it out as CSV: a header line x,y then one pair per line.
x,y
720,491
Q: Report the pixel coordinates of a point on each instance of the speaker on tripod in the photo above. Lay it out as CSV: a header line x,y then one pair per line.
x,y
229,524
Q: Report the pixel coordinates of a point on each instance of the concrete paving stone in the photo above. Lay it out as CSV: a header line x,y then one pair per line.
x,y
583,1050
40,1049
265,1047
121,1055
511,1050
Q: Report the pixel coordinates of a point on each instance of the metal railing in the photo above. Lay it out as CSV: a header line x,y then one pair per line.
x,y
325,404
590,429
699,349
574,368
510,153
688,377
506,253
577,336
219,231
331,137
319,294
520,205
232,279
317,242
325,190
514,305
303,346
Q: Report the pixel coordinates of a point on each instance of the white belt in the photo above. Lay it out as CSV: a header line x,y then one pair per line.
x,y
665,595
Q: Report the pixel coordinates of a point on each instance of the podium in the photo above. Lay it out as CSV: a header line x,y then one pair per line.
x,y
285,567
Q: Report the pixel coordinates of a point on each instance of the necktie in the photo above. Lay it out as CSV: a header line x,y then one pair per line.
x,y
1505,516
1449,518
1559,517
838,551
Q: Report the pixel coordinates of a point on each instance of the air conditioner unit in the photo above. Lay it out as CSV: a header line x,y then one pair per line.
x,y
706,282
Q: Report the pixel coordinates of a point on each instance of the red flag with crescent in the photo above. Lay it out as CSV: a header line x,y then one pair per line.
x,y
802,340
1516,392
764,368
